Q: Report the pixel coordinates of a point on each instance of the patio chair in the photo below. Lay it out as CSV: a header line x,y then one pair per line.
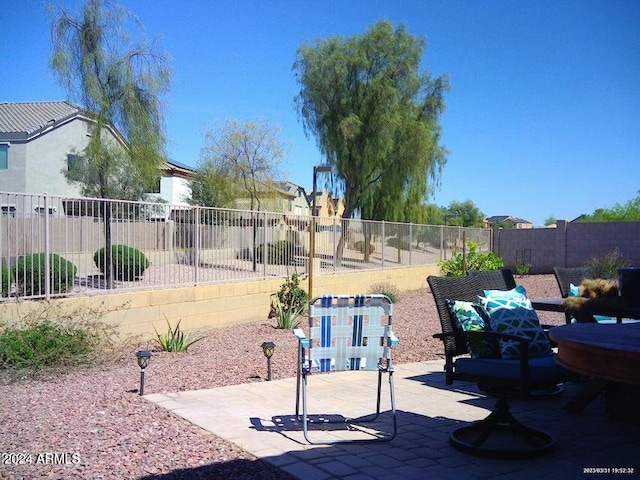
x,y
501,279
501,377
347,332
565,276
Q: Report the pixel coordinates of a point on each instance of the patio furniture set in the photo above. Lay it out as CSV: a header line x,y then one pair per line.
x,y
491,336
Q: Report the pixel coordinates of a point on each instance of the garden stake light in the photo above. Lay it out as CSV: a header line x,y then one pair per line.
x,y
267,349
143,361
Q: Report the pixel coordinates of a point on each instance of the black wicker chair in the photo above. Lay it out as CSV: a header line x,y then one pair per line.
x,y
500,377
495,279
565,276
568,275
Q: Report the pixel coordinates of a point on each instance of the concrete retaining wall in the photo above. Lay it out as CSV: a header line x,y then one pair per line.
x,y
207,306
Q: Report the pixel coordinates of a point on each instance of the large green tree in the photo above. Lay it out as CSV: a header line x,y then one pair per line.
x,y
627,212
120,84
464,214
375,118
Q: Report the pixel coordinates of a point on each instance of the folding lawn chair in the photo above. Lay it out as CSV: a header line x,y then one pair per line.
x,y
347,332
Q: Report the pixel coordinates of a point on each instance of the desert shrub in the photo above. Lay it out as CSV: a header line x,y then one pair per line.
x,y
128,263
454,266
387,289
7,280
522,268
360,247
429,236
607,265
399,243
289,302
44,344
51,335
31,274
281,252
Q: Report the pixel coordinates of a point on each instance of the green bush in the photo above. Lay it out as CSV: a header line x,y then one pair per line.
x,y
281,252
454,267
399,243
45,344
7,280
522,268
128,263
30,274
607,265
359,246
387,289
290,302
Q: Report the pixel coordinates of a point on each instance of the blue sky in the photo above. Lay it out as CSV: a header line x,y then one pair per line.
x,y
543,116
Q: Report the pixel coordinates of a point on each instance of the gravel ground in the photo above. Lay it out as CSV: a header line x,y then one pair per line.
x,y
96,417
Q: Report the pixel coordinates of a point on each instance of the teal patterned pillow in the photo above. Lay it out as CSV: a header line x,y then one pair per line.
x,y
517,317
518,291
470,319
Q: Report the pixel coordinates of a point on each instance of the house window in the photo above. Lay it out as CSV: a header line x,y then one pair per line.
x,y
156,187
4,156
8,210
73,161
40,210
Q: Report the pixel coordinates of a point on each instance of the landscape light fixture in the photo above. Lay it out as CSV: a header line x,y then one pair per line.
x,y
143,357
267,349
312,239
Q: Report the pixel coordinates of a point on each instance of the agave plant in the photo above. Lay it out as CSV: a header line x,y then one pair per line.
x,y
175,340
287,315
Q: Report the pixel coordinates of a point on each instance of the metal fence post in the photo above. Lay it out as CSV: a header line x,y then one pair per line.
x,y
47,249
382,242
196,250
265,253
410,242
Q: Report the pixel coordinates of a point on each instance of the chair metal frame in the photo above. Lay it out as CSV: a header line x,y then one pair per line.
x,y
347,332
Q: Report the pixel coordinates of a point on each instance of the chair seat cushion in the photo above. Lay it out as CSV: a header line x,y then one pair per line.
x,y
516,316
540,368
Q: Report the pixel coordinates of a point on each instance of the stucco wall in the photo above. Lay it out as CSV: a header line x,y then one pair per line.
x,y
14,178
46,157
137,313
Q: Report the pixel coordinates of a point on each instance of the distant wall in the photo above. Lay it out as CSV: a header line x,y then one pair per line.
x,y
567,245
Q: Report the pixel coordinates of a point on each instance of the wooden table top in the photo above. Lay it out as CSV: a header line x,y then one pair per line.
x,y
610,352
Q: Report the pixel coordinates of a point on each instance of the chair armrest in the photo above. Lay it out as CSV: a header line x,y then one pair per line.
x,y
393,340
302,338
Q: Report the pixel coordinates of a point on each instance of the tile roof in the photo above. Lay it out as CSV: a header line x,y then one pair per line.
x,y
23,119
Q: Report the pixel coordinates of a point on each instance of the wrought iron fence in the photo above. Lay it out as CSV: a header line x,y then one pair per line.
x,y
190,245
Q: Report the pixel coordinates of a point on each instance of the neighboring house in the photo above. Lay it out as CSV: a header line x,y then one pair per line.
x,y
507,220
175,183
297,203
325,205
38,140
286,197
